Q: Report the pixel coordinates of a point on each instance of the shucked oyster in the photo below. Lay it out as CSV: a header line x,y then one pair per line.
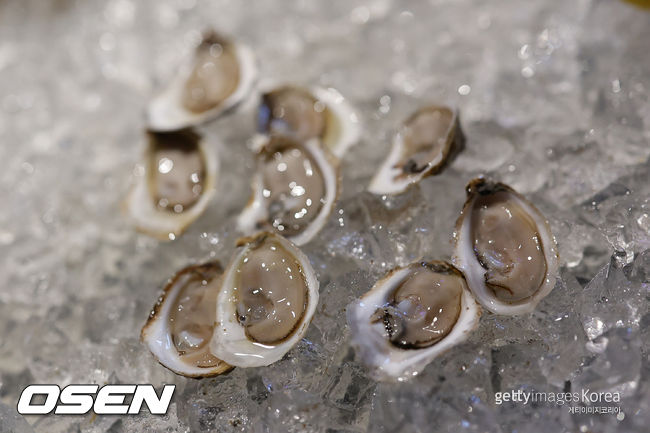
x,y
294,190
424,144
266,302
303,114
220,76
180,327
179,180
411,316
505,248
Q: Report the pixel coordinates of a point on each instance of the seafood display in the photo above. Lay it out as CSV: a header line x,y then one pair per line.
x,y
342,216
505,254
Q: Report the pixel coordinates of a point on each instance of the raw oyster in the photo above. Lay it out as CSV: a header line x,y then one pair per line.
x,y
411,316
303,114
266,302
294,189
181,324
505,249
179,180
426,141
220,76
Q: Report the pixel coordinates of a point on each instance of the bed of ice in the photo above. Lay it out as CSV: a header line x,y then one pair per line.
x,y
554,99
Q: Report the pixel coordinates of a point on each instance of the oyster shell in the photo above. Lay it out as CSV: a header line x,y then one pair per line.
x,y
294,190
505,249
303,114
266,302
221,74
411,316
179,180
426,141
180,326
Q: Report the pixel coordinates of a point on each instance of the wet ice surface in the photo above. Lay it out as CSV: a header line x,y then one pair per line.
x,y
554,101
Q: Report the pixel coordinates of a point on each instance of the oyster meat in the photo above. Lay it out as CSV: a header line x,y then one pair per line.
x,y
505,248
303,114
294,189
266,302
181,324
424,144
221,74
179,180
411,316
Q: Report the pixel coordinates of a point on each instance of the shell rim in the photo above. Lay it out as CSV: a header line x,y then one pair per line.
x,y
255,211
185,118
389,362
474,272
143,213
221,344
169,294
340,109
384,183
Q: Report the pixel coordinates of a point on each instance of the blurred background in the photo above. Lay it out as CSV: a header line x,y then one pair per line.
x,y
553,99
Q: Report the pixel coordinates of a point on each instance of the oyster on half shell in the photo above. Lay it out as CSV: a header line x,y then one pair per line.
x,y
181,324
266,302
294,189
306,113
220,75
180,173
505,249
424,144
411,316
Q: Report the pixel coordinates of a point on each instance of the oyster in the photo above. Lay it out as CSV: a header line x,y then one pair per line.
x,y
411,316
426,141
294,189
303,114
266,302
220,76
179,180
505,248
181,324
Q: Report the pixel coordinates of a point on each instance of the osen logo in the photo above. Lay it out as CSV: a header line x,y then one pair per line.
x,y
80,399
